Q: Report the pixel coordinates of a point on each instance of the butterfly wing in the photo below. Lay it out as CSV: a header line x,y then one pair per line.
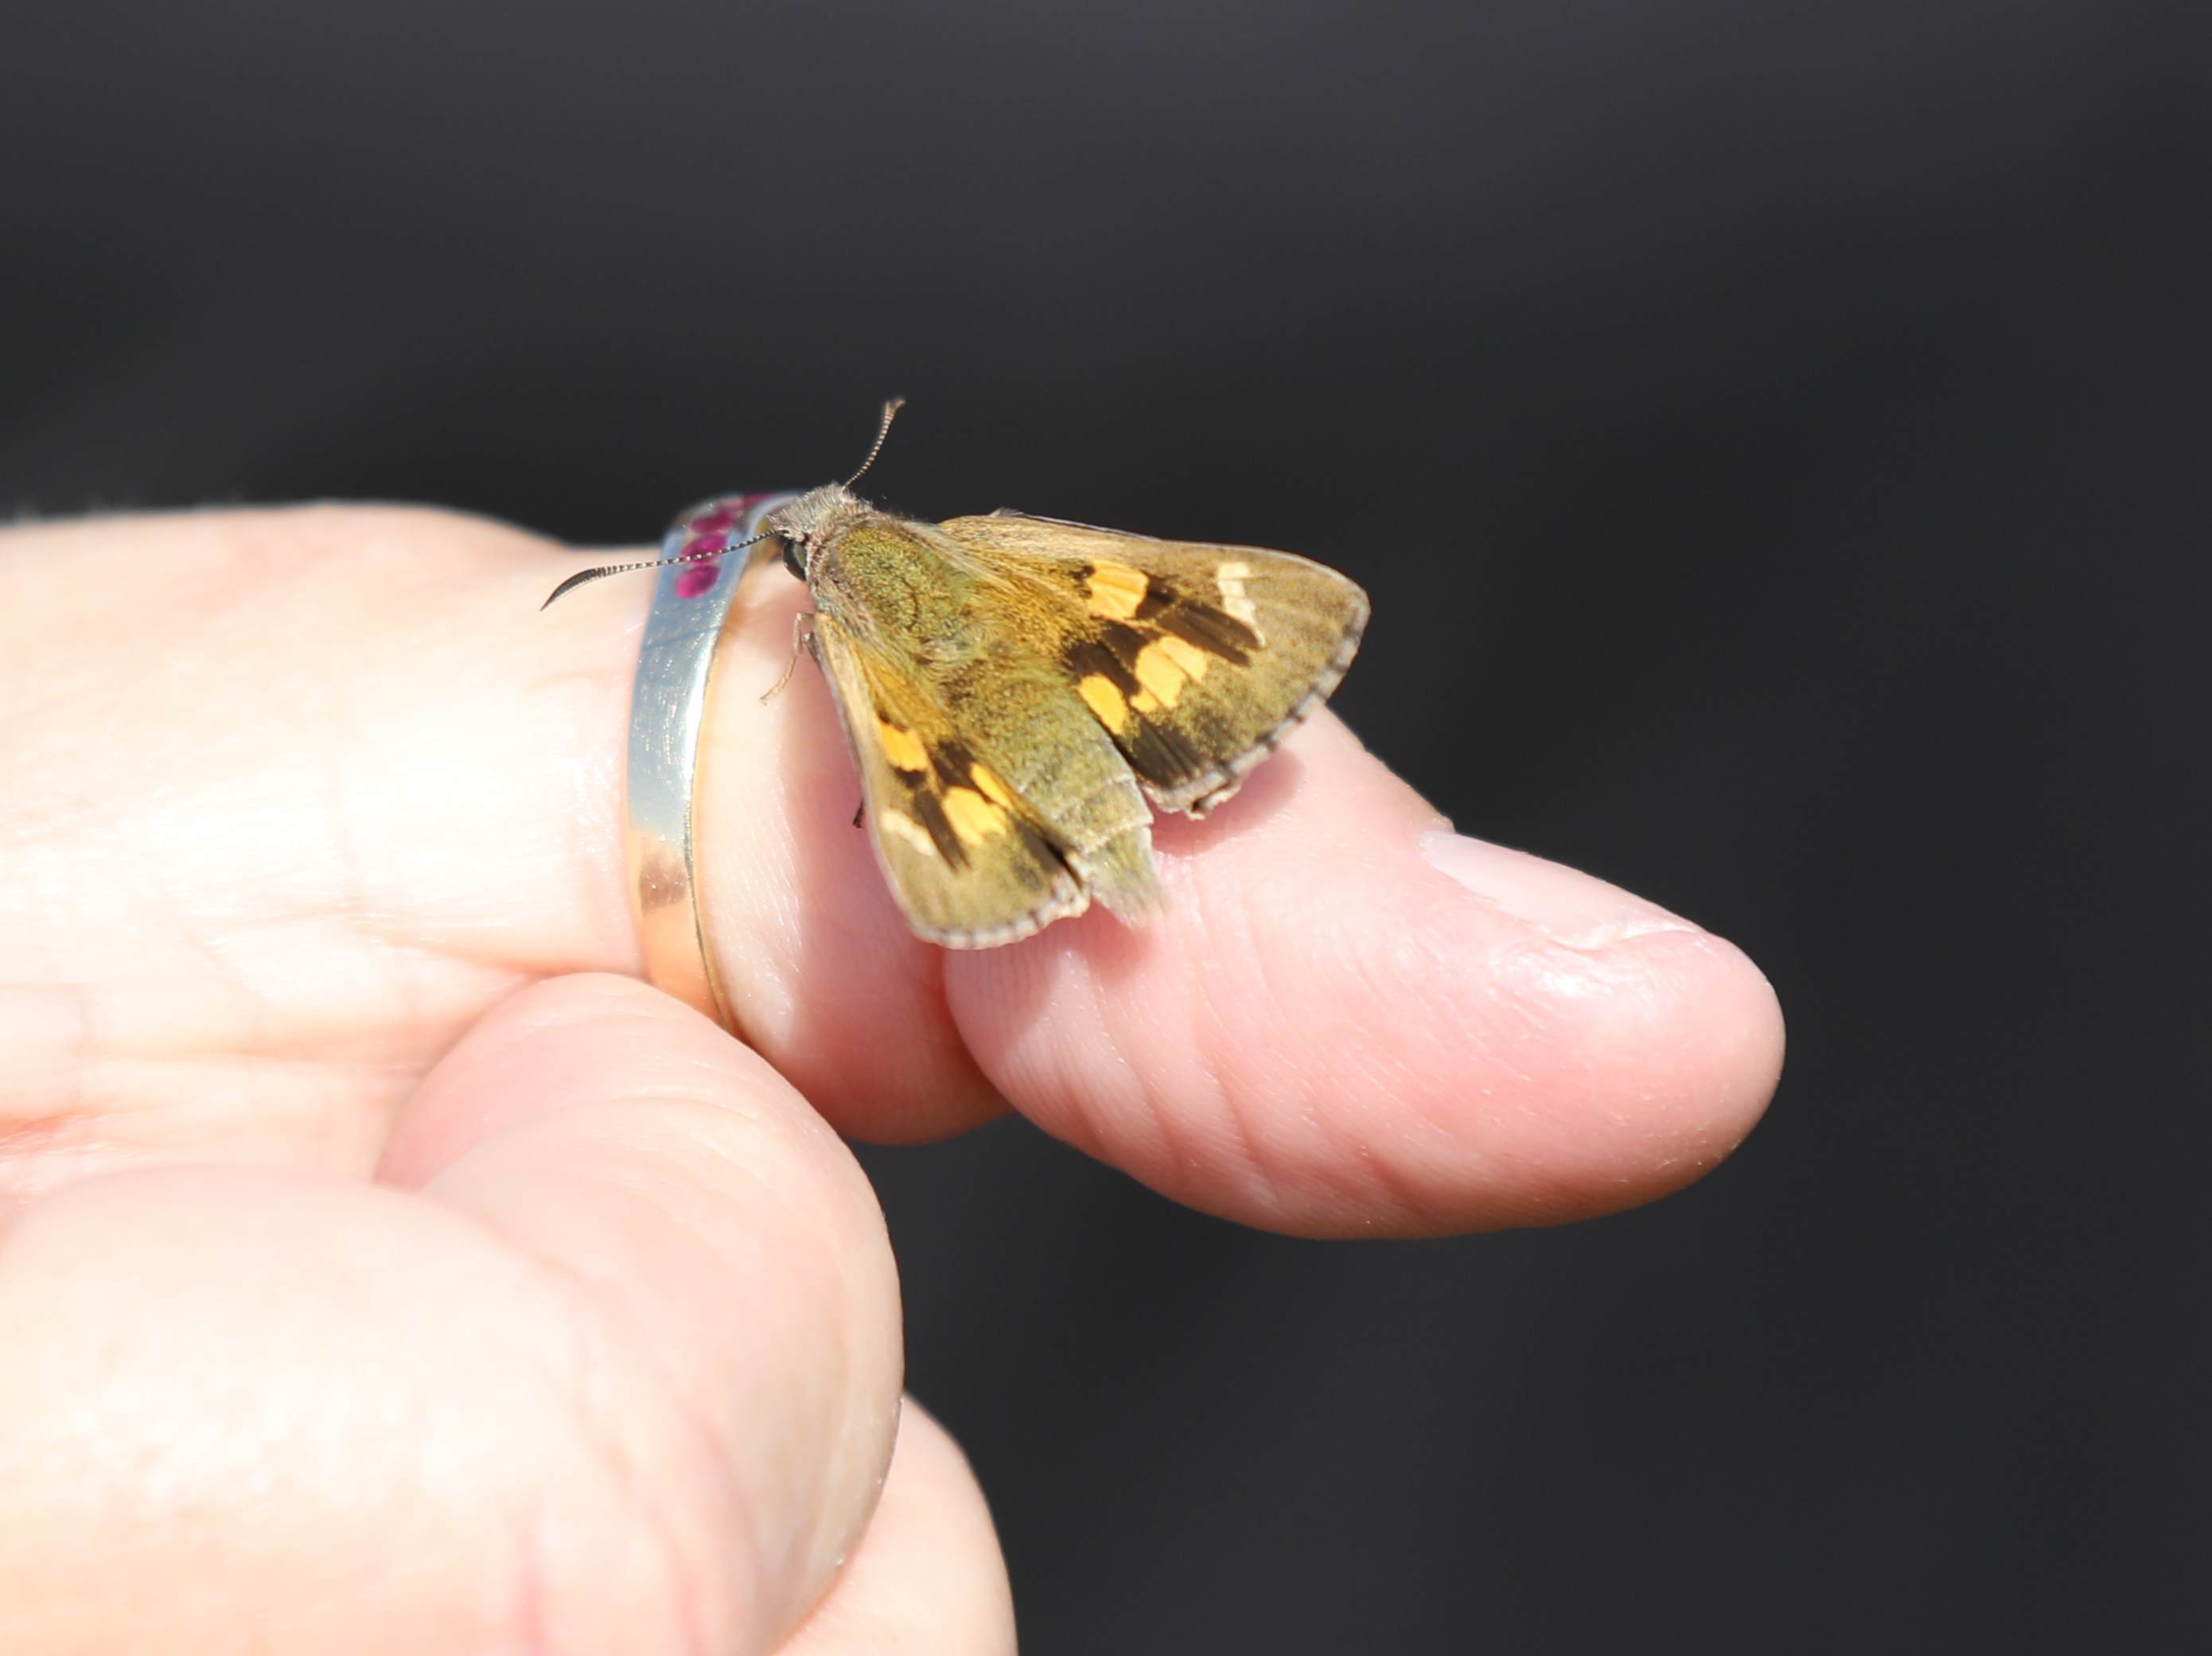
x,y
969,861
1198,659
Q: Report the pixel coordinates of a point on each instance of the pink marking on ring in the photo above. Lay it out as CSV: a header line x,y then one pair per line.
x,y
697,580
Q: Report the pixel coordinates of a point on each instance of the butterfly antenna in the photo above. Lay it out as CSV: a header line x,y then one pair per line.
x,y
584,575
875,448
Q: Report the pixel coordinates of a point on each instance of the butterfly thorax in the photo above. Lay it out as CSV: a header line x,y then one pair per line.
x,y
892,580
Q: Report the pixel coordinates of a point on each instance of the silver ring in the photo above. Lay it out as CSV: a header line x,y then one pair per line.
x,y
694,604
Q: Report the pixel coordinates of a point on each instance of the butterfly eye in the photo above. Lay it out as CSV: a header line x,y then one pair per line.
x,y
794,557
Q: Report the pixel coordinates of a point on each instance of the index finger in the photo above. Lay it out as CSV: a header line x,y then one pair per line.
x,y
1349,1020
364,788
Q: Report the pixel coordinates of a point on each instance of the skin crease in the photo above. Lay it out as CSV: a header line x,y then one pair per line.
x,y
349,1236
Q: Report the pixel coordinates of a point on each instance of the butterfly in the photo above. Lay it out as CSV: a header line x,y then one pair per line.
x,y
1021,692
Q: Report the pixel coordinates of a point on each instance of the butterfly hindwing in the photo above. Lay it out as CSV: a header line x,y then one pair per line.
x,y
1198,659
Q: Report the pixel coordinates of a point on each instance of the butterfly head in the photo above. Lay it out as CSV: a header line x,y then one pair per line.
x,y
813,520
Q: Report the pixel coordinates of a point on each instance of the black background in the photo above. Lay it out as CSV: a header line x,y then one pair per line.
x,y
1775,438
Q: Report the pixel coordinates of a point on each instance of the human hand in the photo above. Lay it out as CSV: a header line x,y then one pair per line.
x,y
375,1274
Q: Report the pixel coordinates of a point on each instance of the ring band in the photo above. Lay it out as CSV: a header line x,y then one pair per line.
x,y
694,604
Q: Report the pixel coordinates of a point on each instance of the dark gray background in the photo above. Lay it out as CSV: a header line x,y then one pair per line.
x,y
1775,437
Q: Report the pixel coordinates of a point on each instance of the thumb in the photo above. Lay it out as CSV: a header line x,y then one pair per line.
x,y
607,1359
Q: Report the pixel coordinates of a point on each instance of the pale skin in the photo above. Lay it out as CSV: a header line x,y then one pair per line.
x,y
381,1269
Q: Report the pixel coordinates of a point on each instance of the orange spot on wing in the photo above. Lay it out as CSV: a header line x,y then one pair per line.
x,y
1157,672
1115,590
974,818
901,747
1185,654
1099,693
987,782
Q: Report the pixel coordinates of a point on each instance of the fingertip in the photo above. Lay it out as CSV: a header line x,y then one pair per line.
x,y
1647,1048
1668,1047
584,1037
1353,1022
717,1234
928,1575
1583,1049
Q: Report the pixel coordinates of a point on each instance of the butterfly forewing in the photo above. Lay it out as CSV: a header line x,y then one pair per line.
x,y
969,861
1197,659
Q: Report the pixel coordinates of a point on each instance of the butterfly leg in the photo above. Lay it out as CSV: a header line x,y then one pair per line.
x,y
802,637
